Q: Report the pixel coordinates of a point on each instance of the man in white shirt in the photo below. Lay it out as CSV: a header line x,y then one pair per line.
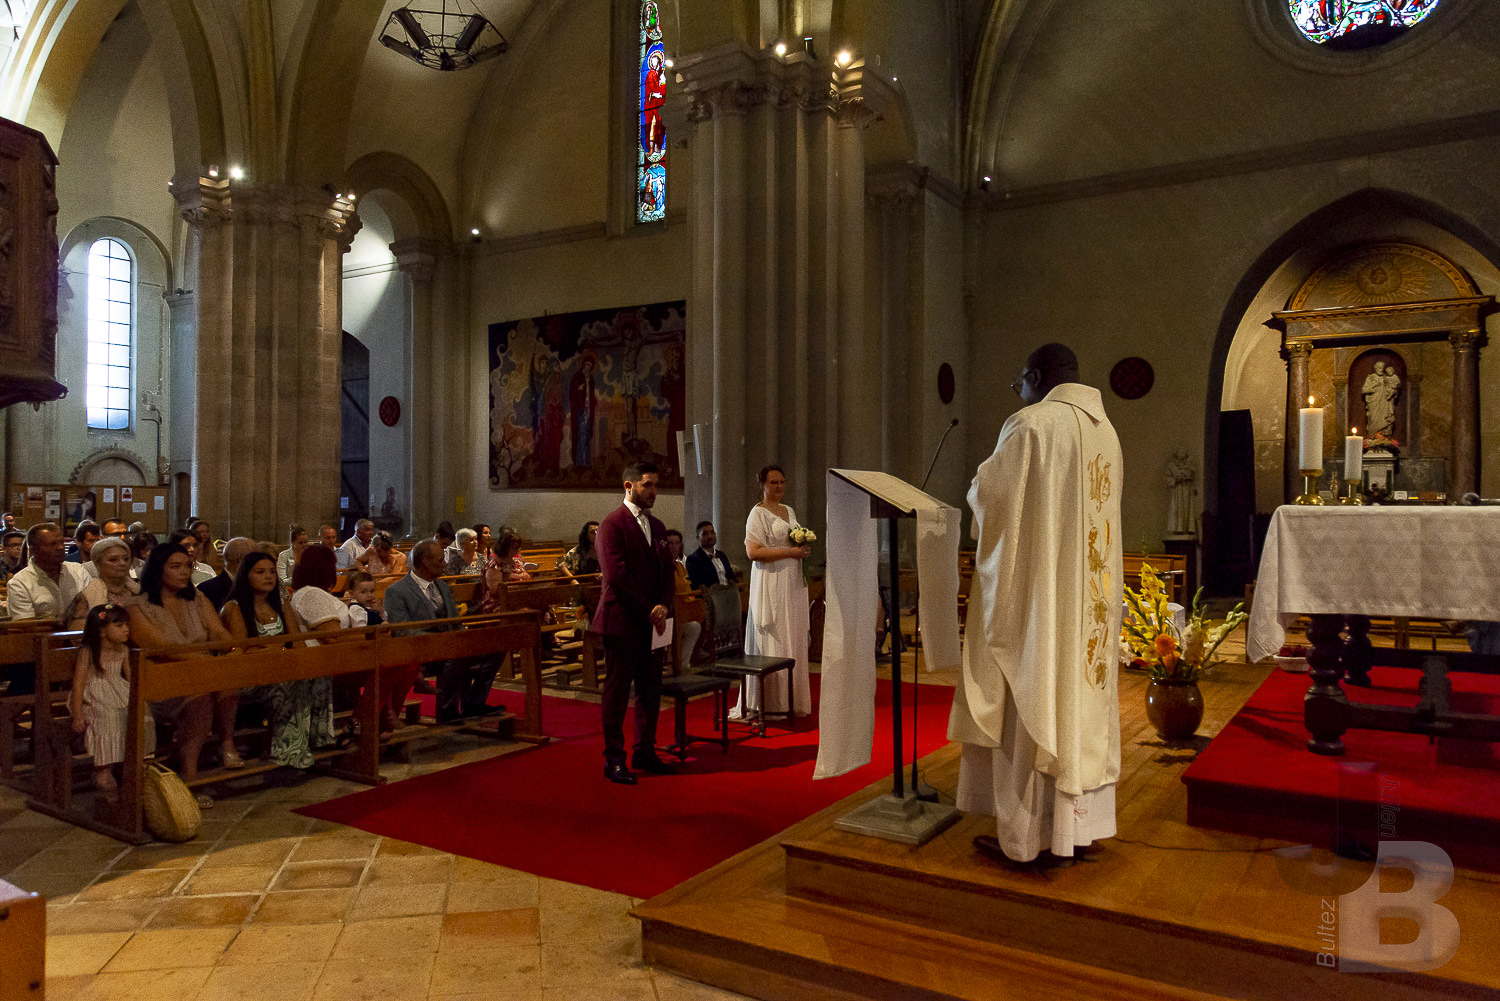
x,y
354,547
46,586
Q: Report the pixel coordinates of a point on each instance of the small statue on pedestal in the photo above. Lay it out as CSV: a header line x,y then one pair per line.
x,y
1180,479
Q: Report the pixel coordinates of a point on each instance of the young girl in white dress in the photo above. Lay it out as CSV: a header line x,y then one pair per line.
x,y
777,625
101,691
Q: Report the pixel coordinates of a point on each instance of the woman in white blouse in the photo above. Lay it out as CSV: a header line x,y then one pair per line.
x,y
777,625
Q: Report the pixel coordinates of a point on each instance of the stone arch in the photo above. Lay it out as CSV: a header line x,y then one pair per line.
x,y
1286,265
60,41
399,175
112,466
318,77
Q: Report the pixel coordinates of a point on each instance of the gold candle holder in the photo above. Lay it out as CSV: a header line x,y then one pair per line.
x,y
1352,496
1310,493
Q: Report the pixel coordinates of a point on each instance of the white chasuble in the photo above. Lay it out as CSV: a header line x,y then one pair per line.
x,y
1044,609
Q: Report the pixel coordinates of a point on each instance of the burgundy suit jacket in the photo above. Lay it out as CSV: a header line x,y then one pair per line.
x,y
637,575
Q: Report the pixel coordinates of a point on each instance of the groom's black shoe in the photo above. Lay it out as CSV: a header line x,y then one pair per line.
x,y
619,774
652,764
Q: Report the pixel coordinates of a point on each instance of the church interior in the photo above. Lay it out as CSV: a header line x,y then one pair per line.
x,y
391,266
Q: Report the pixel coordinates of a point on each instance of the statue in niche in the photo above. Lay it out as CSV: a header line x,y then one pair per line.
x,y
1380,391
1180,479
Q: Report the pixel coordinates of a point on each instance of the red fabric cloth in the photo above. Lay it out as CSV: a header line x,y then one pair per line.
x,y
550,811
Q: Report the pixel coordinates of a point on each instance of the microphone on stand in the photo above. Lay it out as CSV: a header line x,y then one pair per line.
x,y
921,790
941,441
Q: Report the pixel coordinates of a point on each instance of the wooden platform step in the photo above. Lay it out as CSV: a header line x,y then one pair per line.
x,y
794,950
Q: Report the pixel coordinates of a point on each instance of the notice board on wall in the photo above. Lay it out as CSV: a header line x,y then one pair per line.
x,y
70,503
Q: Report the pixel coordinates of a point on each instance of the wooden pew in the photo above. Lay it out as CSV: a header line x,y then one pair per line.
x,y
19,644
157,675
541,596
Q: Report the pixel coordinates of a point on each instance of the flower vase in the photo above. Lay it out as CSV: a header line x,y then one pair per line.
x,y
1175,708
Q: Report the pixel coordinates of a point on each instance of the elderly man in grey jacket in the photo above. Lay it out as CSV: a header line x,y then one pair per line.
x,y
463,684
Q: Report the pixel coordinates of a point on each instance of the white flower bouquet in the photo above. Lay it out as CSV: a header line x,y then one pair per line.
x,y
800,536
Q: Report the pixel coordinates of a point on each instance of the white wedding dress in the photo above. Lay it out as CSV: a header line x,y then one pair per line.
x,y
777,625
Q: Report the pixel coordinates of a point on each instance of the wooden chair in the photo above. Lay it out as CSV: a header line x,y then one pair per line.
x,y
682,689
19,645
727,631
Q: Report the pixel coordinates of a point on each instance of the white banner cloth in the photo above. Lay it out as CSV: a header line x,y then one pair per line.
x,y
1412,562
846,707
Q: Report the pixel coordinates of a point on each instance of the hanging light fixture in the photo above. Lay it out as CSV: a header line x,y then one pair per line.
x,y
451,35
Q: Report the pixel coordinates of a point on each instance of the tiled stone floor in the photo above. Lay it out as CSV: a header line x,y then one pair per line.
x,y
269,904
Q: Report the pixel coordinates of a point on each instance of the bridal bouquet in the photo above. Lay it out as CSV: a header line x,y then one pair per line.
x,y
1153,638
800,536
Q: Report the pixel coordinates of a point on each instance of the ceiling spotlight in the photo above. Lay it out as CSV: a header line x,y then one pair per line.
x,y
781,48
213,170
452,36
238,173
844,58
670,64
984,184
807,46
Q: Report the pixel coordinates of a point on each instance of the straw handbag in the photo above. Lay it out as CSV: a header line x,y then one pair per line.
x,y
171,811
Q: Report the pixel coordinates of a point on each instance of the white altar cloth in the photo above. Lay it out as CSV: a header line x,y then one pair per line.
x,y
846,700
1410,562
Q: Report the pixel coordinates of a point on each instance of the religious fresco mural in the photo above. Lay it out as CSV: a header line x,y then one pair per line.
x,y
576,397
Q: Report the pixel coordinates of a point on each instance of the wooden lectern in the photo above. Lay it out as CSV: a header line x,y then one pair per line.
x,y
903,815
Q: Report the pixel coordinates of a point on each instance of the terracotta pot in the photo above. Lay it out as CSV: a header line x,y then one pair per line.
x,y
1175,708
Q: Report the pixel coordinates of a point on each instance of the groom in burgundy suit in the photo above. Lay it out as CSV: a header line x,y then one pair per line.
x,y
637,592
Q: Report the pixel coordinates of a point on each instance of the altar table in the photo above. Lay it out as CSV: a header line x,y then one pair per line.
x,y
1341,565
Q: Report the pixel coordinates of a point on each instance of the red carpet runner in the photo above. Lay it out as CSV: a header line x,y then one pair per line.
x,y
549,811
1257,777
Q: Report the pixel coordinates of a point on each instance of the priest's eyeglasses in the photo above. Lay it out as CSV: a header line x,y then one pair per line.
x,y
1015,387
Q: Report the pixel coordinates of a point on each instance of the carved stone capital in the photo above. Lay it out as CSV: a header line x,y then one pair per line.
x,y
731,98
1296,350
417,257
203,202
1466,340
854,114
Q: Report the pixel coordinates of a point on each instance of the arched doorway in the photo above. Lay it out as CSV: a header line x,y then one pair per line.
x,y
354,443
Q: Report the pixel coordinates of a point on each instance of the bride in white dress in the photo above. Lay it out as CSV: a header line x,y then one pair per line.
x,y
777,625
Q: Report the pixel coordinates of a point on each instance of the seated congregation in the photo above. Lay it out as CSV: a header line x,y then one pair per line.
x,y
113,598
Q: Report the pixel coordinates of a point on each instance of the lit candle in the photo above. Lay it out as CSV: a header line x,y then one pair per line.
x,y
1354,455
1310,438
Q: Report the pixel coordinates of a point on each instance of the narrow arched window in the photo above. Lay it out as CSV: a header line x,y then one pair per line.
x,y
111,318
651,143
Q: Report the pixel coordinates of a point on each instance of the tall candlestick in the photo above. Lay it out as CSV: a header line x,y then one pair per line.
x,y
1354,455
1310,437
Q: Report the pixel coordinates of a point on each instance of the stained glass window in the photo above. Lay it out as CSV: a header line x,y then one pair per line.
x,y
1357,23
651,143
111,319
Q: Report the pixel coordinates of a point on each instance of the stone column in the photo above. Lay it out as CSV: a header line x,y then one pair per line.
x,y
265,388
893,195
1297,356
1463,475
777,331
417,259
205,207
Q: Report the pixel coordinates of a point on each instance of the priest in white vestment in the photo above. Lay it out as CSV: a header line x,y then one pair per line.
x,y
1038,710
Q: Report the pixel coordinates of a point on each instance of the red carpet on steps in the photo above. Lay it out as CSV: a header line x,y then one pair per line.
x,y
1257,777
550,811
